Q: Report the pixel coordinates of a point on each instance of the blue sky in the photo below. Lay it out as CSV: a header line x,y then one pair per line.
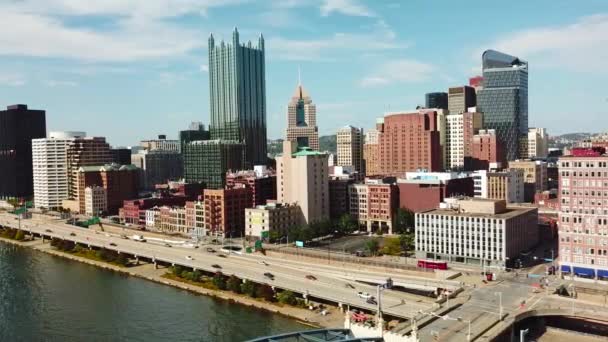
x,y
132,69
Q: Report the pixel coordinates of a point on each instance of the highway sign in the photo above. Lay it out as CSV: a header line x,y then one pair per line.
x,y
299,243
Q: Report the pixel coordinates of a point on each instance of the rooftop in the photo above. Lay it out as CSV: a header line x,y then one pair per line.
x,y
107,167
481,207
307,151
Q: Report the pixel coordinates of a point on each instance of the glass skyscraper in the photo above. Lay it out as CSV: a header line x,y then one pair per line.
x,y
504,99
436,100
237,87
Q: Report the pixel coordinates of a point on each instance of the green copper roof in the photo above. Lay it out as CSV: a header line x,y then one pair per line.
x,y
307,151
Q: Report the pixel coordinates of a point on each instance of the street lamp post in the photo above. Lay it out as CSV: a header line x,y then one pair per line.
x,y
499,294
522,334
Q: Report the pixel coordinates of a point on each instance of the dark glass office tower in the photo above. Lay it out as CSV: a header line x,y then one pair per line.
x,y
237,88
18,126
504,99
436,100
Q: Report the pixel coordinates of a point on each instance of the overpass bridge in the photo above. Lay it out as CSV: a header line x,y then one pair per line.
x,y
328,287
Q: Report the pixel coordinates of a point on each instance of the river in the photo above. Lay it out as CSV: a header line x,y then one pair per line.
x,y
47,298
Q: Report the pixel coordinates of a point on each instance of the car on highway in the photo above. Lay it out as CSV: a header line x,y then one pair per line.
x,y
210,250
371,300
48,230
216,266
364,295
269,275
168,245
263,263
72,234
311,277
112,244
222,255
350,286
188,257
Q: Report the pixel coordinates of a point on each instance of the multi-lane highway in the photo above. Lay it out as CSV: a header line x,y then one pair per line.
x,y
333,284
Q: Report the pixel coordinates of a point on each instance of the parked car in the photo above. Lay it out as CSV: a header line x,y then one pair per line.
x,y
364,295
311,277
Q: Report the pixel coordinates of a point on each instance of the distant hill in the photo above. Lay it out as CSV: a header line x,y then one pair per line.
x,y
326,143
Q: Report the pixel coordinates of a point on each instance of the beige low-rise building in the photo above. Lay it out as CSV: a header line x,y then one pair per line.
x,y
95,200
505,185
535,176
476,231
272,217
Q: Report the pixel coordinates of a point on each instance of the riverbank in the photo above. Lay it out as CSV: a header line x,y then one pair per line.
x,y
147,271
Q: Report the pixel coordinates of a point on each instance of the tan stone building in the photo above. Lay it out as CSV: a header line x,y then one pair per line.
x,y
349,145
272,217
371,153
302,120
505,185
535,176
302,178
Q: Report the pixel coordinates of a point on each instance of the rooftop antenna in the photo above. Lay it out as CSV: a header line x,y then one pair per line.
x,y
299,76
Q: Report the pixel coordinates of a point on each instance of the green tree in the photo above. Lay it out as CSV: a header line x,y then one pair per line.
x,y
249,288
287,297
274,235
404,221
234,284
196,275
177,270
347,224
219,280
407,242
372,246
265,292
392,246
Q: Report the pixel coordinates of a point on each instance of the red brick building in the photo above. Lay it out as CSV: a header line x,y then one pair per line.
x,y
422,191
262,182
225,210
487,149
121,182
409,142
134,211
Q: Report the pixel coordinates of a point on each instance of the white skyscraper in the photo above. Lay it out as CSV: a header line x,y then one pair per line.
x,y
50,167
349,141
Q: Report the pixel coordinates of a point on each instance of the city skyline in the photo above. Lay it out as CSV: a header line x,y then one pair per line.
x,y
145,66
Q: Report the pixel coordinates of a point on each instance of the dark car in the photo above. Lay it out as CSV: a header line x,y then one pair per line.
x,y
210,250
311,277
216,266
48,230
112,244
72,234
269,275
222,256
371,300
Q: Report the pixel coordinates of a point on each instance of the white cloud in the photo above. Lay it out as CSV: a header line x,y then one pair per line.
x,y
398,71
346,7
327,47
57,83
12,79
581,46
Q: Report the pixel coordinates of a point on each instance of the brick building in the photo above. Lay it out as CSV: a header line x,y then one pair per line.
x,y
134,211
583,216
487,150
120,183
374,205
225,210
421,191
261,181
409,141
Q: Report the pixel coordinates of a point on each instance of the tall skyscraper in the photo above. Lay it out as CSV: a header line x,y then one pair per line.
x,y
302,120
460,99
436,100
504,100
349,145
196,131
207,161
371,152
237,87
18,126
50,165
85,151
